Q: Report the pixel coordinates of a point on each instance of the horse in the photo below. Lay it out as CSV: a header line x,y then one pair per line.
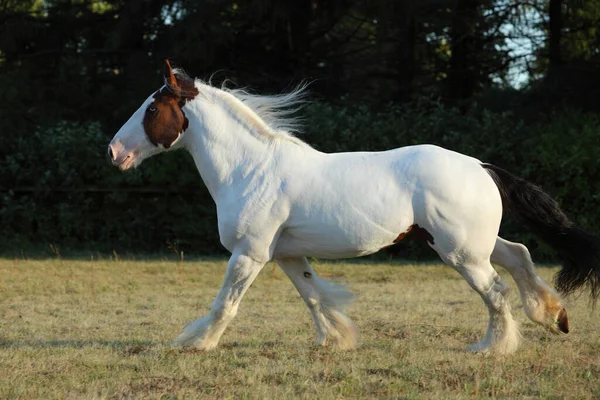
x,y
277,198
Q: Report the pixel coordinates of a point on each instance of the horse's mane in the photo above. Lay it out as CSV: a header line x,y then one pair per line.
x,y
270,115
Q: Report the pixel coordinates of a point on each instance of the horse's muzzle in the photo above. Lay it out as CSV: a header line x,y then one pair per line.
x,y
116,157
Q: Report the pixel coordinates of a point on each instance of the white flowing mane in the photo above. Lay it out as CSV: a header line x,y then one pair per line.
x,y
269,115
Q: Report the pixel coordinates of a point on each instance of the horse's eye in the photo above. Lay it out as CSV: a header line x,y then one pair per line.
x,y
151,109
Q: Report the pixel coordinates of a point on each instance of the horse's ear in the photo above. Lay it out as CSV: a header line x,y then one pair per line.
x,y
169,76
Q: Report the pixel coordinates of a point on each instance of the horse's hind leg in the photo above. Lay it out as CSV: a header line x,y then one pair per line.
x,y
502,335
472,260
326,302
541,303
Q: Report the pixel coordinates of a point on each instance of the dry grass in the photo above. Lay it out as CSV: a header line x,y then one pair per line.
x,y
101,329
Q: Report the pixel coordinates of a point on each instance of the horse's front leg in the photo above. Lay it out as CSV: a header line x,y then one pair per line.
x,y
205,333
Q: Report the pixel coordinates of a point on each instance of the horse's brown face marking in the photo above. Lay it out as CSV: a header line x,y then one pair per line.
x,y
165,120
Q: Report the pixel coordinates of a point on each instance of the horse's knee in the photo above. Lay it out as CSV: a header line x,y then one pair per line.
x,y
501,286
493,292
514,257
522,254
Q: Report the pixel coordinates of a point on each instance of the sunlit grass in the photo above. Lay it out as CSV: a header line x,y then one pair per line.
x,y
101,329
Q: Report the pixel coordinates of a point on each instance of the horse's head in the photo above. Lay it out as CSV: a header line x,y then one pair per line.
x,y
157,125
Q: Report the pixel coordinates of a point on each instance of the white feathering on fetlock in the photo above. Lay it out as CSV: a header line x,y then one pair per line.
x,y
339,329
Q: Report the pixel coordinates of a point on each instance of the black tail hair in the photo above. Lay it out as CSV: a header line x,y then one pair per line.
x,y
579,250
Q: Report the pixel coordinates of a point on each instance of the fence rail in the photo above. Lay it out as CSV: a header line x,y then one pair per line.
x,y
93,189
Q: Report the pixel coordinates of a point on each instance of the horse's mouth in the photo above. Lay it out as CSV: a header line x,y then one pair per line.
x,y
126,163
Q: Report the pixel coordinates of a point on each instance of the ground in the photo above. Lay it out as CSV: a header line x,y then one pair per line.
x,y
101,329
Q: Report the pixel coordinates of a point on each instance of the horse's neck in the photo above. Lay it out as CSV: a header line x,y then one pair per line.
x,y
227,154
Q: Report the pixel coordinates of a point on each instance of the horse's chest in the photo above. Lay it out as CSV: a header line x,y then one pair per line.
x,y
254,221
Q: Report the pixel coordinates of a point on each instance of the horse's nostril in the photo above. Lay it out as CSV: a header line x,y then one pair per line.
x,y
110,153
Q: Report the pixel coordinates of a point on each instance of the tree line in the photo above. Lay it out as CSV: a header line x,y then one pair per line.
x,y
90,59
89,63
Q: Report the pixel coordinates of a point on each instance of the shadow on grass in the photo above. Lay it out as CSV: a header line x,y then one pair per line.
x,y
129,347
78,344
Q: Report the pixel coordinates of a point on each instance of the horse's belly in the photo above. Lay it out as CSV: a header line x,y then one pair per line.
x,y
331,242
320,247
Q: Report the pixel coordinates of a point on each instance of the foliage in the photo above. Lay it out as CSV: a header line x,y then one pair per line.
x,y
74,60
63,192
93,60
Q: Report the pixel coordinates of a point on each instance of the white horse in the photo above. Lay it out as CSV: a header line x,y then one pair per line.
x,y
279,199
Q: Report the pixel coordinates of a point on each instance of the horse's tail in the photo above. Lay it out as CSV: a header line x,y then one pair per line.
x,y
579,250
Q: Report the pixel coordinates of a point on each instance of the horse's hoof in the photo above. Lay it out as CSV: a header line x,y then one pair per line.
x,y
562,321
479,348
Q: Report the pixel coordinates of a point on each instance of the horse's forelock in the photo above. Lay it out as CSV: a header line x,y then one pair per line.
x,y
186,87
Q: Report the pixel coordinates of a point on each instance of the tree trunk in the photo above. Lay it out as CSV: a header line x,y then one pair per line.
x,y
554,41
407,45
462,80
298,33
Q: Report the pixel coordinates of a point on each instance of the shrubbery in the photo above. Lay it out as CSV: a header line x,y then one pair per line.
x,y
65,193
59,189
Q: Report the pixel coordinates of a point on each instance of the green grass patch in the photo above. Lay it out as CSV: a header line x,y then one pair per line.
x,y
102,329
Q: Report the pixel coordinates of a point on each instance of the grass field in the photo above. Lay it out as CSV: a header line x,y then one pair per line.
x,y
101,329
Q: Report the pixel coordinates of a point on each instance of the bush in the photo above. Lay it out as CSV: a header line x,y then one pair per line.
x,y
63,192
